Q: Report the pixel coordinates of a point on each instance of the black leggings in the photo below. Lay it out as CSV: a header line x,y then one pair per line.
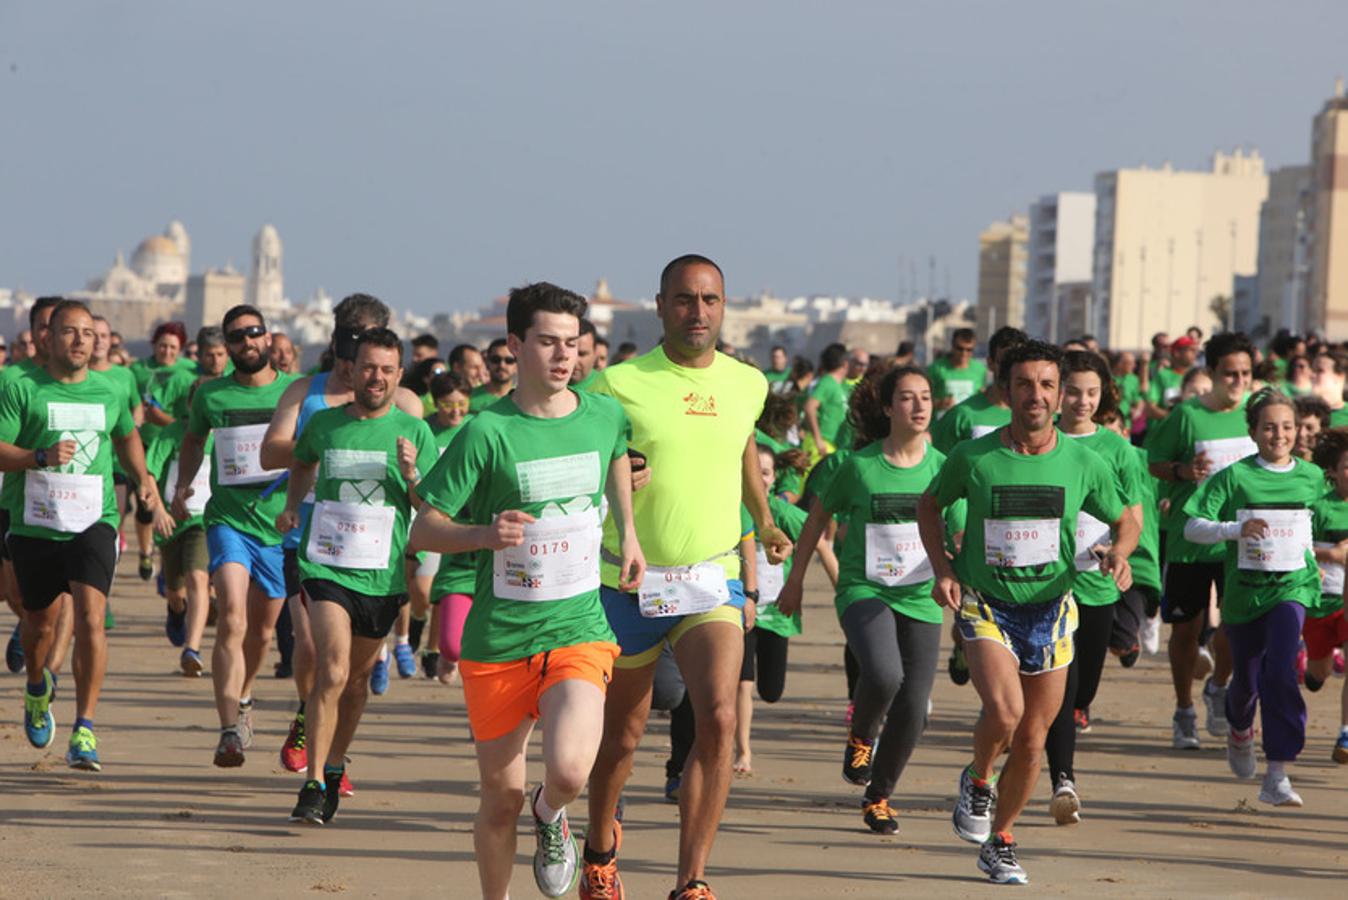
x,y
765,662
1094,627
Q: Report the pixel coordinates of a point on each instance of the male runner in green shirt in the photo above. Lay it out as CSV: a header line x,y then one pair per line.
x,y
957,376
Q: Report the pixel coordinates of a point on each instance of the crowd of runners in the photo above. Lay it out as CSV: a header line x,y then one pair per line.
x,y
576,536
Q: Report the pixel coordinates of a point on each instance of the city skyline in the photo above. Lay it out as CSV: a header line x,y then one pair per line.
x,y
450,154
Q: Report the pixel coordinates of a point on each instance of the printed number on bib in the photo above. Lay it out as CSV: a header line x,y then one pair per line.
x,y
558,559
682,590
1283,548
1013,543
771,577
236,455
61,501
201,485
351,535
1222,453
894,555
1090,532
1331,574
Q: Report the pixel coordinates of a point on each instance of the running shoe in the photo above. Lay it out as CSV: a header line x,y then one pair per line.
x,y
857,760
1184,730
1312,683
1129,659
229,752
283,669
160,587
1082,718
175,627
693,890
600,881
294,756
1341,748
406,660
557,856
415,627
309,808
1338,661
973,809
1065,805
1214,698
1203,667
379,677
146,568
38,722
958,667
109,620
1240,752
14,650
190,662
1277,791
672,788
879,816
1149,635
997,857
246,724
430,664
83,751
344,788
332,793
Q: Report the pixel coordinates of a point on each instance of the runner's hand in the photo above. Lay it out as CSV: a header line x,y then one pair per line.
x,y
178,508
633,567
1254,528
164,524
789,600
148,495
750,614
508,529
1201,466
288,521
1119,567
60,453
947,592
407,459
775,543
640,478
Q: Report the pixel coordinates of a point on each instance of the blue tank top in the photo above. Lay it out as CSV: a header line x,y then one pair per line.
x,y
315,400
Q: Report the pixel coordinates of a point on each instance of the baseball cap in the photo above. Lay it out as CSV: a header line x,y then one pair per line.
x,y
1183,342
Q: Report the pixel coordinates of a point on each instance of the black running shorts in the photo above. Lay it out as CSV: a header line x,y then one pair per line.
x,y
1187,587
371,617
46,568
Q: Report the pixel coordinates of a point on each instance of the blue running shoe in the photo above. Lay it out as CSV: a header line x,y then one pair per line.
x,y
1341,749
38,723
175,627
83,751
160,586
379,676
407,660
14,650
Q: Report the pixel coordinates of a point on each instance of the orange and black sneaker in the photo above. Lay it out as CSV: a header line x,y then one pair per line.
x,y
879,816
857,760
599,872
693,890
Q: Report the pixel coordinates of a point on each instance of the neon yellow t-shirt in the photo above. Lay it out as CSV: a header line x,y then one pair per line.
x,y
693,426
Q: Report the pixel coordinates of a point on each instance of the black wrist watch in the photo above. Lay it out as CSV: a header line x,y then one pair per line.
x,y
751,595
40,457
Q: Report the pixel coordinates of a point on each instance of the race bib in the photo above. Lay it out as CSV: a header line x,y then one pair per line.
x,y
771,577
682,590
1225,451
1331,574
979,430
201,485
558,559
1090,531
236,455
62,501
1171,395
1013,543
895,556
1284,548
960,390
350,535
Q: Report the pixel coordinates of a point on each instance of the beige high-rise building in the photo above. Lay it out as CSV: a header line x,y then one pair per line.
x,y
1283,227
1328,295
1168,242
1002,255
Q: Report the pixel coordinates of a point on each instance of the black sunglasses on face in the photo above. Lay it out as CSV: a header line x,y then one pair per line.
x,y
502,360
238,335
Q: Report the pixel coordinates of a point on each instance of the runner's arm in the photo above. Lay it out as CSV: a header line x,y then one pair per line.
x,y
278,444
297,487
775,543
812,422
438,533
190,455
1206,531
618,490
132,454
16,459
409,402
789,600
749,579
931,528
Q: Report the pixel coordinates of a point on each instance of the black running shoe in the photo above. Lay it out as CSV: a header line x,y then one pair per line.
x,y
310,808
331,792
414,629
1129,659
958,667
857,760
879,816
430,664
146,569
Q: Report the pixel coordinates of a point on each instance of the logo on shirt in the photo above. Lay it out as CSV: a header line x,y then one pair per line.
x,y
698,405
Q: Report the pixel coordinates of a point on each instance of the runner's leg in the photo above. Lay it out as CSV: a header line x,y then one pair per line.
x,y
919,651
333,644
500,766
1043,696
261,627
771,650
995,673
91,647
626,708
572,713
364,651
231,622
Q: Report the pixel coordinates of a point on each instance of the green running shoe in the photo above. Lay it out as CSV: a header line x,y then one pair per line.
x,y
83,751
38,723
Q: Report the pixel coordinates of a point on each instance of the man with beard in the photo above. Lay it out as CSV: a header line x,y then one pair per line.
x,y
244,548
501,366
362,461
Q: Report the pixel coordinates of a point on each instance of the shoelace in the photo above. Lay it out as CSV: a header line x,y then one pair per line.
x,y
881,810
1005,853
861,753
297,737
980,799
602,881
553,840
699,891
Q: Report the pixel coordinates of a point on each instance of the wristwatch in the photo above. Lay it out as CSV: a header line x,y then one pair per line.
x,y
40,457
751,595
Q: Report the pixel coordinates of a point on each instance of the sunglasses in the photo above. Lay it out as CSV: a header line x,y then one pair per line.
x,y
501,360
239,335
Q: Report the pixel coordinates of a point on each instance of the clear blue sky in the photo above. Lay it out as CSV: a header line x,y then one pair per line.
x,y
438,153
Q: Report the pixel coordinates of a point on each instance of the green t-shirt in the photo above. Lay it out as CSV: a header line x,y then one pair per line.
x,y
788,480
791,520
832,411
161,458
15,371
587,383
480,398
144,369
38,411
1145,560
1165,387
457,573
1022,503
972,418
871,493
775,377
1338,418
122,377
948,381
1249,488
360,497
236,417
1192,428
1130,391
504,460
1093,587
693,426
1329,526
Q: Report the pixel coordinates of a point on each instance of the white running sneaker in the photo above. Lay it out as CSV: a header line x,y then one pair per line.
x,y
1184,735
997,857
1149,635
557,857
1214,698
1277,791
973,810
1240,752
1065,805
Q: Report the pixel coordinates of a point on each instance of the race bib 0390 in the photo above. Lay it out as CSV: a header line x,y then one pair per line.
x,y
1013,543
